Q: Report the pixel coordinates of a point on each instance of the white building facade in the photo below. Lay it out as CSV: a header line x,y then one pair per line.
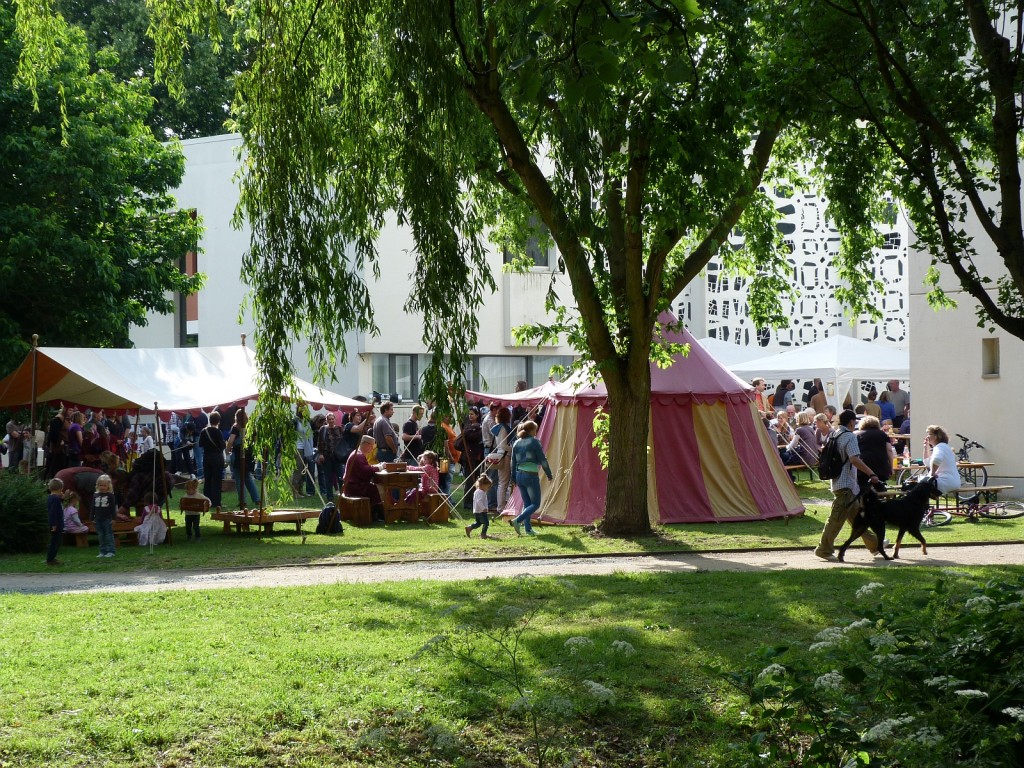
x,y
391,362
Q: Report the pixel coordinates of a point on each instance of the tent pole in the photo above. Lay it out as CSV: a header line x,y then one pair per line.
x,y
163,468
32,417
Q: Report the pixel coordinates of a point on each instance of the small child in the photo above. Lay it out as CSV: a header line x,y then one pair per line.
x,y
192,518
55,517
104,506
72,522
429,482
483,484
153,529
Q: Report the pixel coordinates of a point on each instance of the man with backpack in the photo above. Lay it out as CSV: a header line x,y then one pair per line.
x,y
847,502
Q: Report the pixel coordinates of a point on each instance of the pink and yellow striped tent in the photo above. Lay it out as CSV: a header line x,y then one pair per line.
x,y
710,458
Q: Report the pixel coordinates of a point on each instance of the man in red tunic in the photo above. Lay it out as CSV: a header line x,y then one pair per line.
x,y
359,477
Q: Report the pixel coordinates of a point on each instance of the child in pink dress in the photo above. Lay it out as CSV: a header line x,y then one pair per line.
x,y
429,483
72,522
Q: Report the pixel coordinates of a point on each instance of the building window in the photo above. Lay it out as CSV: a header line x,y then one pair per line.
x,y
990,358
540,257
500,374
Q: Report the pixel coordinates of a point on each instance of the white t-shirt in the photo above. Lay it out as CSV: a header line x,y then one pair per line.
x,y
942,466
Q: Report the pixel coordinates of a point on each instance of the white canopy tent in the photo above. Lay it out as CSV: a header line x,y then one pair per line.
x,y
163,380
837,360
727,353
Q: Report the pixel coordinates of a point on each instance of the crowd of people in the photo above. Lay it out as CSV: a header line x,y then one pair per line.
x,y
866,435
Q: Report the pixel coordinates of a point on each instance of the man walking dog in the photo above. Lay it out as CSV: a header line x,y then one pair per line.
x,y
847,501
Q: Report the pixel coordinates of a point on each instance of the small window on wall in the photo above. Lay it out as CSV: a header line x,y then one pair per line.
x,y
990,358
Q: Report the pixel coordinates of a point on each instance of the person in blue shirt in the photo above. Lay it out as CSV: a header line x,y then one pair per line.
x,y
527,460
55,519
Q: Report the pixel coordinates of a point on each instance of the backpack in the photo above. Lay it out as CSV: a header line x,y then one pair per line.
x,y
329,521
831,460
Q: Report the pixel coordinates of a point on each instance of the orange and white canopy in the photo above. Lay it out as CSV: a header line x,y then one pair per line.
x,y
162,380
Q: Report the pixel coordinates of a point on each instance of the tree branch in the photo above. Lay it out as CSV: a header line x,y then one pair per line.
x,y
719,233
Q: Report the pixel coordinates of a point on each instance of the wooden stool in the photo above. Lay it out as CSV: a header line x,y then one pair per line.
x,y
344,510
356,509
435,508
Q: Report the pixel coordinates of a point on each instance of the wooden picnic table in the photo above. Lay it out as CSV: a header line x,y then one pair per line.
x,y
244,520
395,506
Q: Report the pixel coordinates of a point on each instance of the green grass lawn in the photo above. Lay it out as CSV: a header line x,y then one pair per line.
x,y
402,540
329,675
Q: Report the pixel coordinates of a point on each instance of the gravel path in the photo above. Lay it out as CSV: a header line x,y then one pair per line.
x,y
449,570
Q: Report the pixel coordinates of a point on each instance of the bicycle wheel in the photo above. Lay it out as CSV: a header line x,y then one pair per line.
x,y
977,476
933,518
1002,510
906,473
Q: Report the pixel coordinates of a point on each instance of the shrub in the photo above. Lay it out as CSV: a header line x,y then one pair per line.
x,y
932,680
23,523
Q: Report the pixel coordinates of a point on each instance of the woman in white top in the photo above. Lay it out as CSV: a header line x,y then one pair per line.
x,y
941,462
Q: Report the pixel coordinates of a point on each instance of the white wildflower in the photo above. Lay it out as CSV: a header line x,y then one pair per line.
x,y
944,681
772,670
1017,713
1012,606
829,634
859,624
883,640
511,613
599,692
622,647
868,589
559,707
830,681
981,603
971,693
521,706
829,637
928,736
373,737
441,738
577,644
884,730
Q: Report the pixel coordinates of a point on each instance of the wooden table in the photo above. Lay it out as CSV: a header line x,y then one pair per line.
x,y
244,520
968,470
398,508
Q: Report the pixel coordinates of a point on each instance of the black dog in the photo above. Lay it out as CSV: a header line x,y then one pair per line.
x,y
906,513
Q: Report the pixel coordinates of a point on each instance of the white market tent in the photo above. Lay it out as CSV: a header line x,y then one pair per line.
x,y
162,380
729,354
837,360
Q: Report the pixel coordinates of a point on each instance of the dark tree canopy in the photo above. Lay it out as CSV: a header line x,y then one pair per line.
x,y
207,73
634,134
925,100
90,240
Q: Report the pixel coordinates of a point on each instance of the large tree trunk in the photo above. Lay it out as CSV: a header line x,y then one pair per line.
x,y
629,408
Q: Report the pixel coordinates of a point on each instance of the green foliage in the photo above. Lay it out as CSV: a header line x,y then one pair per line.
x,y
90,240
922,101
935,680
116,33
621,132
23,521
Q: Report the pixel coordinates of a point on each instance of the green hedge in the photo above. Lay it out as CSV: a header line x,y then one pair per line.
x,y
23,524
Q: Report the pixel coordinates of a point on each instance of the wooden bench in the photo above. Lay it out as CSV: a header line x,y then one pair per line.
x,y
794,468
354,509
985,493
124,533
